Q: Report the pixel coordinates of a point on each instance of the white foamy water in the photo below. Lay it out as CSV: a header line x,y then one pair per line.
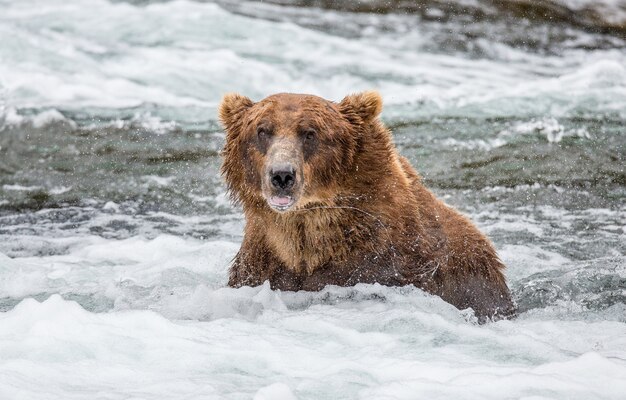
x,y
178,58
161,323
399,349
116,235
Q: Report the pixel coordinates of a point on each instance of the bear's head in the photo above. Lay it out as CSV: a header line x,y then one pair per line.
x,y
290,150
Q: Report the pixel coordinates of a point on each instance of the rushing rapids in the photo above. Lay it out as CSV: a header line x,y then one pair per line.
x,y
116,231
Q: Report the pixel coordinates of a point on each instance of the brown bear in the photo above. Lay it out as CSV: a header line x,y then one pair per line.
x,y
329,201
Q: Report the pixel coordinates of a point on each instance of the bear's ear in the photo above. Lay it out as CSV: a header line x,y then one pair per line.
x,y
231,106
367,105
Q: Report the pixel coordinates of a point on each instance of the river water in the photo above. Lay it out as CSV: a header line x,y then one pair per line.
x,y
116,232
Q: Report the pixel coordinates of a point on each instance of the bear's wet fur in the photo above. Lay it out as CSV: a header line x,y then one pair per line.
x,y
329,201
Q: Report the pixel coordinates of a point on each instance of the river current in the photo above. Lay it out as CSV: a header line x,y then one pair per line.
x,y
116,232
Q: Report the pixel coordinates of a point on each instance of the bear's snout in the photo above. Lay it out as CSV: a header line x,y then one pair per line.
x,y
283,176
282,185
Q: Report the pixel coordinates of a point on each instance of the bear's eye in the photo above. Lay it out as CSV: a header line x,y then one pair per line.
x,y
309,134
309,142
264,136
263,133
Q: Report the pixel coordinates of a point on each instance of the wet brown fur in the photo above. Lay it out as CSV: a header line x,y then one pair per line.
x,y
363,215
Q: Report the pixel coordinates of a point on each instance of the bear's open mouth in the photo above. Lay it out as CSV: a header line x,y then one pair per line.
x,y
281,203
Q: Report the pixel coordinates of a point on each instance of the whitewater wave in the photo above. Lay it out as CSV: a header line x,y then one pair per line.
x,y
185,55
394,348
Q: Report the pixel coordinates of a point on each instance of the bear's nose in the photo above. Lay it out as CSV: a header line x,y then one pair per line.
x,y
283,176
